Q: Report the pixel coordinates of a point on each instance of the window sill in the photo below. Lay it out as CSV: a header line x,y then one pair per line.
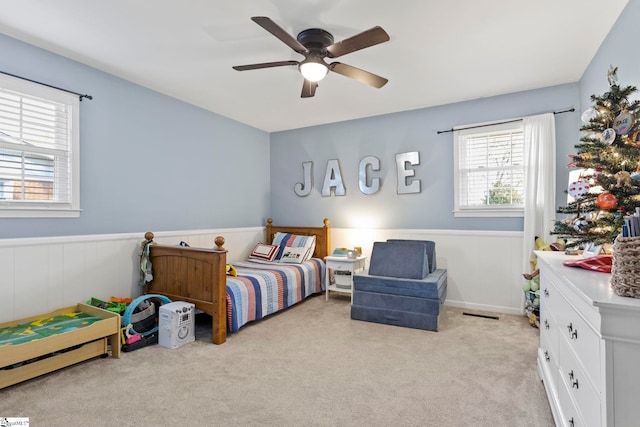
x,y
40,213
488,213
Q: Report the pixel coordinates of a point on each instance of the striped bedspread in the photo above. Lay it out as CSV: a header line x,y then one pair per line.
x,y
262,288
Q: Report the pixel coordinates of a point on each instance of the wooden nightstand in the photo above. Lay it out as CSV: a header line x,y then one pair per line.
x,y
343,269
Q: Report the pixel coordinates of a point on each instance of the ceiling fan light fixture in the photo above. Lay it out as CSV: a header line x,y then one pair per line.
x,y
313,69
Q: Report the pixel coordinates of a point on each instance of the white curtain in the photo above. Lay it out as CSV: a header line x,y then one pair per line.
x,y
539,182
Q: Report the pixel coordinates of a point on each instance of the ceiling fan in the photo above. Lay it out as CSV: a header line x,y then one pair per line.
x,y
315,45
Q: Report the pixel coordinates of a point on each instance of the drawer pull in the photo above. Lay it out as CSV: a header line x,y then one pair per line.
x,y
574,381
545,292
574,334
571,422
570,327
546,324
546,356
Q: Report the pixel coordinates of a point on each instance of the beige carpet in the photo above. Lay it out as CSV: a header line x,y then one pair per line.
x,y
308,366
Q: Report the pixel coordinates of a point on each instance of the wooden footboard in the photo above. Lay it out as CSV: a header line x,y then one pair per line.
x,y
193,275
198,275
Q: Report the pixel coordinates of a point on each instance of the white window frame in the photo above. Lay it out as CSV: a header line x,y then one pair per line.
x,y
459,135
70,206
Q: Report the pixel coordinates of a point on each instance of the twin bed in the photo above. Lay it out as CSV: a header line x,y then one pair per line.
x,y
199,276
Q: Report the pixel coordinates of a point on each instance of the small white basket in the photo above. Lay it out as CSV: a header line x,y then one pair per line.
x,y
342,280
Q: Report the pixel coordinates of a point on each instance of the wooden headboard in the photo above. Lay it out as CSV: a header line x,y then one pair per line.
x,y
323,238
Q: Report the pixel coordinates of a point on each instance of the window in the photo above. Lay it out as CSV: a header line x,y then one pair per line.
x,y
489,170
39,143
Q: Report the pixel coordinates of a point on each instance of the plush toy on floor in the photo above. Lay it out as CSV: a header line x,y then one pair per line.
x,y
531,286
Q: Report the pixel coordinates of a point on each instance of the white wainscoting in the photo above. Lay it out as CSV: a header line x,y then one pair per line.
x,y
38,275
483,267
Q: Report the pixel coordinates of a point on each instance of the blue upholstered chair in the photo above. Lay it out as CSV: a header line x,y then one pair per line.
x,y
402,287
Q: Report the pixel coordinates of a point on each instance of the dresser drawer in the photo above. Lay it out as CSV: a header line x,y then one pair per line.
x,y
550,297
548,331
585,397
549,347
583,341
569,414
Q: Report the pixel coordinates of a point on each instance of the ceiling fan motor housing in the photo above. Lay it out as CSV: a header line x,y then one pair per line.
x,y
315,38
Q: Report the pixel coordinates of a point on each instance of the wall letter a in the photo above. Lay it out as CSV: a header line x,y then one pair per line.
x,y
333,178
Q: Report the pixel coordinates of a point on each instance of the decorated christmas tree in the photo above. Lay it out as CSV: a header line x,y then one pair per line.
x,y
608,162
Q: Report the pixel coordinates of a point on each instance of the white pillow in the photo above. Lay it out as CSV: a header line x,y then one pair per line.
x,y
285,240
264,252
294,255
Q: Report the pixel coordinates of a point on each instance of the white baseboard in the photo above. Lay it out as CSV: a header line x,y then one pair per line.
x,y
483,307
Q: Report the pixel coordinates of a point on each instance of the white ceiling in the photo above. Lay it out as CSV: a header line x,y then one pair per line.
x,y
440,52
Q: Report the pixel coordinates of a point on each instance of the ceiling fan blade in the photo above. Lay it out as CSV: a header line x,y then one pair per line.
x,y
370,37
264,65
358,74
308,89
281,34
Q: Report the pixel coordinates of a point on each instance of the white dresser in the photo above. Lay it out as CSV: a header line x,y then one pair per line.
x,y
589,355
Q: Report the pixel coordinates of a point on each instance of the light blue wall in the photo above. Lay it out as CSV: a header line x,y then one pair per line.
x,y
416,131
383,137
148,162
151,162
618,49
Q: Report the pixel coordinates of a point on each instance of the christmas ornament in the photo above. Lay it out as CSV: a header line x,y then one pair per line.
x,y
606,200
608,136
596,173
623,122
623,179
580,224
589,114
578,188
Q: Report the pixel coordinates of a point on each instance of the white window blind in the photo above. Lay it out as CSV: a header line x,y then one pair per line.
x,y
489,170
39,168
